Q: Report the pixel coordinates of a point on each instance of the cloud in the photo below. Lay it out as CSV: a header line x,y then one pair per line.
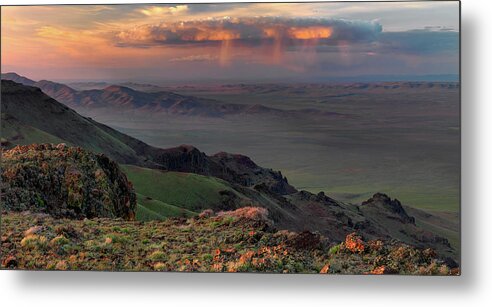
x,y
430,40
164,10
252,31
215,7
196,58
419,42
436,28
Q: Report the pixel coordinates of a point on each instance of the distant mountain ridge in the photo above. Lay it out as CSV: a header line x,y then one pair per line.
x,y
301,88
12,76
124,98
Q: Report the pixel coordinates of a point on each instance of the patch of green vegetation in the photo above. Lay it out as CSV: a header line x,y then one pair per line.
x,y
144,214
334,249
174,190
24,134
40,202
117,238
452,236
59,241
207,257
150,209
157,256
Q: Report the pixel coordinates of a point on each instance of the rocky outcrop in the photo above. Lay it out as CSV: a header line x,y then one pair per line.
x,y
242,170
233,168
393,207
65,182
184,158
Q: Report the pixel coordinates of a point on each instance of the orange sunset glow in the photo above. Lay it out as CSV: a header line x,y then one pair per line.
x,y
310,32
257,39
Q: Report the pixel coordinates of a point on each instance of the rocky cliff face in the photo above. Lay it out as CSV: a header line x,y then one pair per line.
x,y
66,182
234,168
392,207
242,170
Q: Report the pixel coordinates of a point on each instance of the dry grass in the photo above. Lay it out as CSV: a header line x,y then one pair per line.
x,y
237,241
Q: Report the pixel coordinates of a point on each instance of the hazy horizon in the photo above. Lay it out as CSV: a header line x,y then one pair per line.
x,y
334,80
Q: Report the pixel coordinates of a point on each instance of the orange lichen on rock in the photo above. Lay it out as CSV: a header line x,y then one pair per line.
x,y
325,269
61,265
159,266
381,270
217,267
354,243
246,257
378,270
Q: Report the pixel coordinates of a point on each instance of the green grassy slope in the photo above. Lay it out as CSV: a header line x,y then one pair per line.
x,y
151,209
13,130
144,214
175,194
30,116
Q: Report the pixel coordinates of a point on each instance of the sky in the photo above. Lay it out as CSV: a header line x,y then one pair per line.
x,y
236,41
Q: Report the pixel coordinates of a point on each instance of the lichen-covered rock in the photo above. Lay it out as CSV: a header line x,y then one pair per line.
x,y
376,257
354,243
65,182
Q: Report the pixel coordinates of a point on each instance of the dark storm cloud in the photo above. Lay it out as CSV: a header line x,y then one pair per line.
x,y
419,42
288,31
414,42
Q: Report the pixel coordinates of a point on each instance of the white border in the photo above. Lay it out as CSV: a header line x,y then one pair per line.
x,y
473,288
